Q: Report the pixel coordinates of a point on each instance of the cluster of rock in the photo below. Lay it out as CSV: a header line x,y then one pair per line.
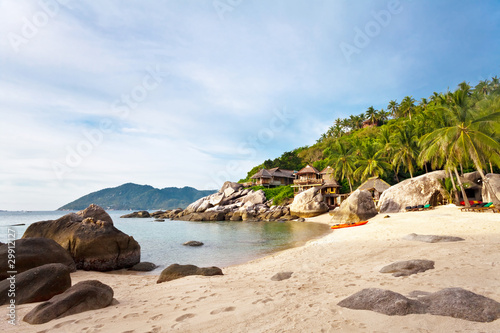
x,y
231,203
90,238
452,302
43,275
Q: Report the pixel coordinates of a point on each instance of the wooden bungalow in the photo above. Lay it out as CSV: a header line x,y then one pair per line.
x,y
307,178
331,188
375,185
273,177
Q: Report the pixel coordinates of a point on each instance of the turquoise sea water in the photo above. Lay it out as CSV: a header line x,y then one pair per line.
x,y
226,243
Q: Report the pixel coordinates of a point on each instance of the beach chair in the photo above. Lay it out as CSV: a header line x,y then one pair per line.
x,y
428,206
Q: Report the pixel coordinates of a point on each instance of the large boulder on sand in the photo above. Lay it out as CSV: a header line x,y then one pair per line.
x,y
93,244
34,252
308,203
494,181
359,206
176,271
83,296
421,190
37,284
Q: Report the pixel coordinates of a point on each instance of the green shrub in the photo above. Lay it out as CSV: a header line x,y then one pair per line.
x,y
278,194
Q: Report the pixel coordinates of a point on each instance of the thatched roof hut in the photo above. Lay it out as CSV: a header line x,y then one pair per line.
x,y
263,173
375,185
308,170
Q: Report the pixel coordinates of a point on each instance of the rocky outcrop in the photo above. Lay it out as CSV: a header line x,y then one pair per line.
x,y
308,203
409,267
231,203
493,189
140,214
94,244
359,206
34,252
421,190
37,284
177,271
452,302
83,296
432,238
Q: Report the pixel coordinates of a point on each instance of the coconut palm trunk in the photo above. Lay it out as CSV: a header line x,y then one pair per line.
x,y
455,193
464,195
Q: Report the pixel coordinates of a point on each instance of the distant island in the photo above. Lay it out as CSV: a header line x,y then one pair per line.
x,y
139,197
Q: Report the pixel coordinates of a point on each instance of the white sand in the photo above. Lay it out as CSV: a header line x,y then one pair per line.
x,y
325,271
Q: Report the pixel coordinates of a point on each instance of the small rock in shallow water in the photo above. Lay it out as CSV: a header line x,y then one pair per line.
x,y
143,266
193,243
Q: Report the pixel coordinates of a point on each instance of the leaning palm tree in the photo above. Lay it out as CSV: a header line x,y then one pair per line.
x,y
344,165
466,138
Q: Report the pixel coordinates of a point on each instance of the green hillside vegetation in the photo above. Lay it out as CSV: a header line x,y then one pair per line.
x,y
138,197
279,195
456,130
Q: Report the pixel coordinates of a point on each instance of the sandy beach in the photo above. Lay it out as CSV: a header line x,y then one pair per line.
x,y
325,271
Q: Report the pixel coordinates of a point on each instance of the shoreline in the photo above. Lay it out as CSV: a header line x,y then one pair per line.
x,y
325,271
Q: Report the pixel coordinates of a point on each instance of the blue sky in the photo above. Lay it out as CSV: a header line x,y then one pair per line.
x,y
192,93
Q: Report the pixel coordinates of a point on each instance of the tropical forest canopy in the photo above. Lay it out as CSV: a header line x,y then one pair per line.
x,y
453,130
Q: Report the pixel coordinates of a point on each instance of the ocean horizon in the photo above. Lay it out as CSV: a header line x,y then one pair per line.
x,y
226,243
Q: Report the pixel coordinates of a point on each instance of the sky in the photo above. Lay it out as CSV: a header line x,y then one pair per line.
x,y
197,92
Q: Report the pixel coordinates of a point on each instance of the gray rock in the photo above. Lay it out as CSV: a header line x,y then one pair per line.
x,y
235,186
93,244
177,271
253,198
34,252
432,238
421,190
37,284
193,243
494,181
452,302
463,304
383,301
143,266
359,206
83,296
281,276
308,203
409,267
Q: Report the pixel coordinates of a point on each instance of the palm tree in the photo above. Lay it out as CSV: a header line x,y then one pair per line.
x,y
407,106
393,108
466,138
371,163
407,148
371,115
344,166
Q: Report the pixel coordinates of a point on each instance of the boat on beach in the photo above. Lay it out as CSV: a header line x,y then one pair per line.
x,y
348,225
